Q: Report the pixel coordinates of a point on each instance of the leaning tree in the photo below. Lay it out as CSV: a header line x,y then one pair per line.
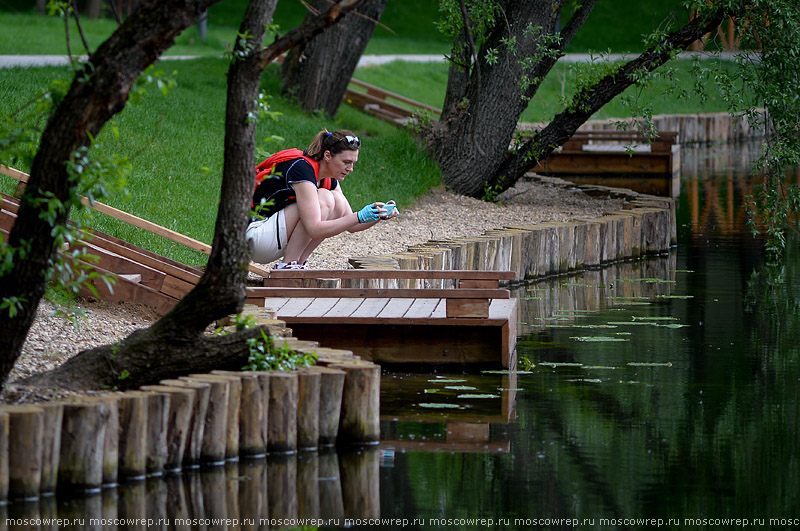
x,y
503,50
176,343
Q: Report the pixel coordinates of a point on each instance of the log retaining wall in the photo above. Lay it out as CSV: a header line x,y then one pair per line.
x,y
645,226
86,443
691,128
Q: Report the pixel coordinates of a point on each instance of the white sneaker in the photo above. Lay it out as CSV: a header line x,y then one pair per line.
x,y
291,265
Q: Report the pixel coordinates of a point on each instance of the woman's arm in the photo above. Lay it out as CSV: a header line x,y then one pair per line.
x,y
311,214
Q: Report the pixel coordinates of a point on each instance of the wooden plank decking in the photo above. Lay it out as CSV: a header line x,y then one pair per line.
x,y
457,325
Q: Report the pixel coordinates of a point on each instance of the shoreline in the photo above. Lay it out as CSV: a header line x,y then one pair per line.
x,y
438,215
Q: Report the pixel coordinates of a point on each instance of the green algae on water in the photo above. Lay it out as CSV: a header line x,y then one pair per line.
x,y
439,405
598,339
478,396
508,371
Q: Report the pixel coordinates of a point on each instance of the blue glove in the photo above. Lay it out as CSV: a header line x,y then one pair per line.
x,y
368,213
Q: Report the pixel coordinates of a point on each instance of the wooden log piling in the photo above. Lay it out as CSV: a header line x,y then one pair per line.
x,y
4,420
158,406
359,420
178,421
25,427
215,430
81,466
252,412
308,401
232,416
194,443
133,410
282,421
331,387
51,445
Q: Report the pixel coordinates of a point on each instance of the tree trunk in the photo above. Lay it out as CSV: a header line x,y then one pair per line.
x,y
592,99
471,141
318,73
97,93
139,359
476,127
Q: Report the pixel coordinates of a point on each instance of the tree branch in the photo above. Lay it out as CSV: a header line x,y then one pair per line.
x,y
305,32
576,22
591,99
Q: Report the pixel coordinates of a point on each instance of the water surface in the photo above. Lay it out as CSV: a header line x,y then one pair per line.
x,y
665,389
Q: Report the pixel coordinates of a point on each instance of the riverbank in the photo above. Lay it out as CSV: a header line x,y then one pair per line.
x,y
438,215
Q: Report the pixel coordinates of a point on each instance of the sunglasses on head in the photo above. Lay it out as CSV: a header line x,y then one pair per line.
x,y
352,141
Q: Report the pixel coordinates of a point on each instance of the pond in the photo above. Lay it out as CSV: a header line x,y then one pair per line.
x,y
664,391
661,392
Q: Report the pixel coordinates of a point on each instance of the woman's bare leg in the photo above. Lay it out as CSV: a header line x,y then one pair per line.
x,y
301,245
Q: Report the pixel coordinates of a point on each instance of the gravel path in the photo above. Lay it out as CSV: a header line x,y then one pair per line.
x,y
439,215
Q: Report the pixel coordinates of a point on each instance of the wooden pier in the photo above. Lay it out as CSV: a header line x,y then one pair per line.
x,y
625,159
466,319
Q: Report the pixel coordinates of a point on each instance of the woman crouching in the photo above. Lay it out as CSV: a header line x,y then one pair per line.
x,y
298,200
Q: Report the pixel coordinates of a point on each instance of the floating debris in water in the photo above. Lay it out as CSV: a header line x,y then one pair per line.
x,y
647,280
675,296
447,380
681,271
597,339
587,380
627,298
509,371
630,323
439,406
599,368
478,396
432,390
460,387
653,318
560,364
579,326
643,364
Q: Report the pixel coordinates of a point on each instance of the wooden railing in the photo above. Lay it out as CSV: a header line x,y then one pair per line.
x,y
387,105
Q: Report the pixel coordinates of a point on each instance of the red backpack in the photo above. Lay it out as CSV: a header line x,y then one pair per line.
x,y
266,168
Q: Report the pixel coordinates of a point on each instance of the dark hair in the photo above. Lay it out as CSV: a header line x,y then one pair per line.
x,y
335,142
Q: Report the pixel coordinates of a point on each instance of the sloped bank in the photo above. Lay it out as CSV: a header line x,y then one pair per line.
x,y
645,226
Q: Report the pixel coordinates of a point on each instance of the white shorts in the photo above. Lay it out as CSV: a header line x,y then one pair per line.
x,y
269,238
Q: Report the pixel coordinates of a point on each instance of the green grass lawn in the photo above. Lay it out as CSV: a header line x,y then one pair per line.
x,y
405,27
170,140
427,82
174,143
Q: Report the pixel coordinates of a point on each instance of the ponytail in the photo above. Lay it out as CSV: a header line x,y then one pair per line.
x,y
325,140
